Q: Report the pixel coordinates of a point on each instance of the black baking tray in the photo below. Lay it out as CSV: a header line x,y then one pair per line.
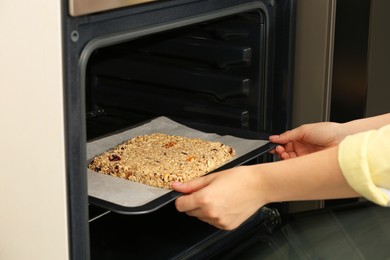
x,y
171,195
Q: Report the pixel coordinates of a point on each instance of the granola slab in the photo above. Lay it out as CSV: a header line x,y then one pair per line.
x,y
159,159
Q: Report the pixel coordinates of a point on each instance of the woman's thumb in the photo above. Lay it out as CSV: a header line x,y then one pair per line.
x,y
284,138
189,186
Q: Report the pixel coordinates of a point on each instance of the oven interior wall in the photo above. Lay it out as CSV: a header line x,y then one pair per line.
x,y
212,73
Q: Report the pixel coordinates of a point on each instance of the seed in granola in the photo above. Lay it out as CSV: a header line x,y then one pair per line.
x,y
114,158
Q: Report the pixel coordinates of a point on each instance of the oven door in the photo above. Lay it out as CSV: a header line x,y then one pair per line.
x,y
167,234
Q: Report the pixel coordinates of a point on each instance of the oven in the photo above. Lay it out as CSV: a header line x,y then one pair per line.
x,y
222,67
77,72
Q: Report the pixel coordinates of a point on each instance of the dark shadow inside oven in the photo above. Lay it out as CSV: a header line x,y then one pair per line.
x,y
210,76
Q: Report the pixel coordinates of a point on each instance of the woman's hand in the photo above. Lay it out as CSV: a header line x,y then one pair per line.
x,y
307,139
226,199
223,199
315,137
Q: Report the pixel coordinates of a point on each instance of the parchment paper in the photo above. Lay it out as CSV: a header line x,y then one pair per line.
x,y
131,194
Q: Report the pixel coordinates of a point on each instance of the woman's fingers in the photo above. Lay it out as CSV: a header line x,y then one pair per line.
x,y
191,186
190,200
187,203
286,137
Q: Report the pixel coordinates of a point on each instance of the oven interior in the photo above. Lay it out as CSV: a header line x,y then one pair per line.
x,y
211,74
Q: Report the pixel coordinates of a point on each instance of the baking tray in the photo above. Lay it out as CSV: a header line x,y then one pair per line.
x,y
127,197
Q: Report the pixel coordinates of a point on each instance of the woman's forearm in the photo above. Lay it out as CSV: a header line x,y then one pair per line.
x,y
365,124
311,177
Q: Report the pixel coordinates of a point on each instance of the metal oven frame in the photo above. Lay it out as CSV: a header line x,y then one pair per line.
x,y
85,33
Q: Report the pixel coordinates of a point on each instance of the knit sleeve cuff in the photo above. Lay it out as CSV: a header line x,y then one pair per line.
x,y
354,163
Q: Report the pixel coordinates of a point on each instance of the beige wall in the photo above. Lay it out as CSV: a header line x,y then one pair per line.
x,y
33,222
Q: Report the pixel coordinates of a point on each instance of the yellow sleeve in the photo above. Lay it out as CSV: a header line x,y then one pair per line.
x,y
364,159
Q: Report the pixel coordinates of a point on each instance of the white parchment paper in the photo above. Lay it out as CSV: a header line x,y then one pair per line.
x,y
131,194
